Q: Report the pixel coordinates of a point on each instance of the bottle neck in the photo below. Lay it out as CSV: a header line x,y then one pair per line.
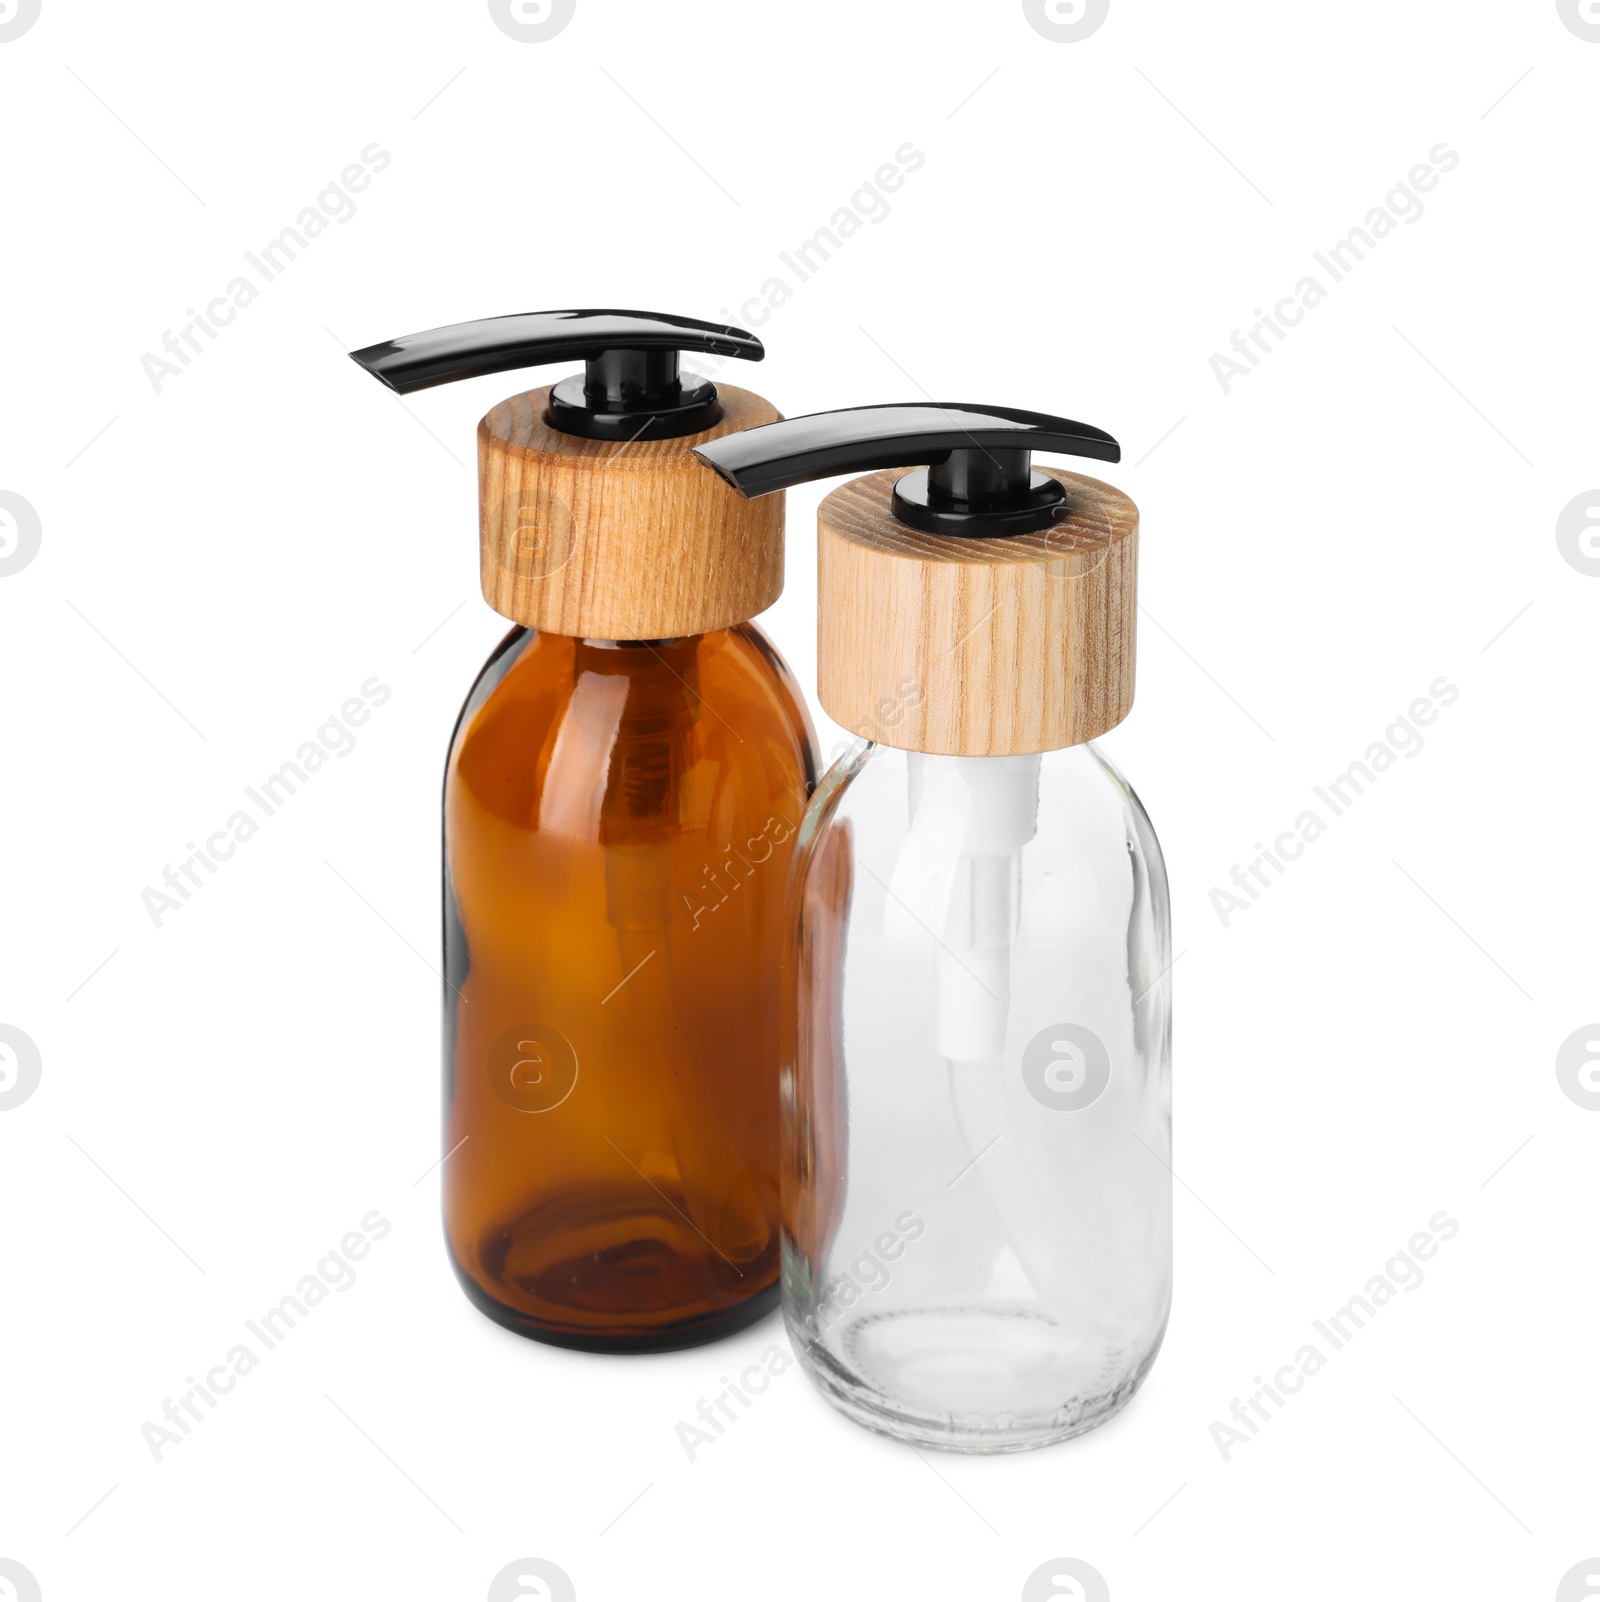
x,y
641,645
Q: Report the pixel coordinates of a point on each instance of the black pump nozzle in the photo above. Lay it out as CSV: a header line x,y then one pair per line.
x,y
630,389
979,481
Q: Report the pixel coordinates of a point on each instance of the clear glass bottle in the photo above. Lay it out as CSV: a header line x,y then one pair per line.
x,y
977,1117
976,1101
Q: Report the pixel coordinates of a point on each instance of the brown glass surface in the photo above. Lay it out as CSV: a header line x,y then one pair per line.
x,y
619,821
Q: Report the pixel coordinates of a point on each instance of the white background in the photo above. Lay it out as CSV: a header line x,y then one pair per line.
x,y
225,562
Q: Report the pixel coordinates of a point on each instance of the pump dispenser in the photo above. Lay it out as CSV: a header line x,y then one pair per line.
x,y
977,1197
622,797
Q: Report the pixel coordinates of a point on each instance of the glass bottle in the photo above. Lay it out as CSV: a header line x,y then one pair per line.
x,y
977,1118
622,799
976,1100
619,824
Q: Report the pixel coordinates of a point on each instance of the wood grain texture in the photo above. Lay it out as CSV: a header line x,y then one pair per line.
x,y
621,542
976,647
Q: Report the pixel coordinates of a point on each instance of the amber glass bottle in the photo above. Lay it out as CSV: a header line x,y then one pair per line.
x,y
619,821
622,798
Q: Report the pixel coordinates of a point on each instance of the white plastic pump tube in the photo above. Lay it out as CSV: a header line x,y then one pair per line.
x,y
959,877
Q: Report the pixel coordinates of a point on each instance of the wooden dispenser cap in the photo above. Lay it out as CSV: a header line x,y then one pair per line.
x,y
976,647
621,541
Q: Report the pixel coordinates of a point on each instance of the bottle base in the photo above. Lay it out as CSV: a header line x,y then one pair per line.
x,y
698,1330
993,1363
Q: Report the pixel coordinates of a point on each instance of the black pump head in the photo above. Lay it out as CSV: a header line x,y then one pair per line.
x,y
631,387
977,479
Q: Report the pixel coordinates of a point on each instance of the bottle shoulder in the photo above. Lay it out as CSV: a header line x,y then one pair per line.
x,y
751,638
1069,801
549,710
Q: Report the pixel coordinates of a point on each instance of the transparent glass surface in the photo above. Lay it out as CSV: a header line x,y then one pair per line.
x,y
977,1121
